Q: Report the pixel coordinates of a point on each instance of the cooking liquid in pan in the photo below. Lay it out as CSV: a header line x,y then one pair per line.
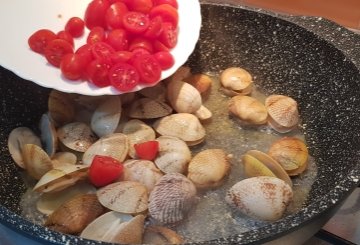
x,y
211,217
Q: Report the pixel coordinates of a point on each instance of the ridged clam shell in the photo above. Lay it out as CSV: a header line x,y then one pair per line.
x,y
161,235
37,162
48,135
128,197
61,108
172,198
262,197
146,108
201,82
253,167
237,79
183,97
208,168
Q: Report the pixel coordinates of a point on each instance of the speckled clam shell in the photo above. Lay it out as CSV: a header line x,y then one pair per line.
x,y
172,198
161,235
283,112
61,108
262,197
36,161
74,215
237,79
201,82
185,126
146,108
183,97
48,135
128,197
208,168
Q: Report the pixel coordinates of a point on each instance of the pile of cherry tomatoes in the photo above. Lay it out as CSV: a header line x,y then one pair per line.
x,y
128,44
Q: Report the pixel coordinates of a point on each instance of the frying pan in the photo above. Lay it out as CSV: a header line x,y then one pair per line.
x,y
311,59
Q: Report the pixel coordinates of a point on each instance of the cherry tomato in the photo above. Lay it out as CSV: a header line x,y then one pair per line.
x,y
148,67
118,39
165,59
159,46
140,42
86,52
135,22
171,2
155,28
169,35
75,26
72,66
123,77
114,15
104,170
147,150
167,12
97,34
102,50
55,51
95,13
40,39
121,56
66,36
97,72
142,6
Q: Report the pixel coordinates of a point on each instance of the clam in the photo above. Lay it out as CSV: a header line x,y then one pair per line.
x,y
18,137
76,136
208,168
172,198
61,107
61,158
173,155
36,161
157,92
180,74
74,215
262,197
89,102
237,79
106,116
61,177
204,114
128,197
283,113
183,97
116,227
115,145
185,126
161,235
248,109
48,135
127,98
291,153
146,108
142,171
200,81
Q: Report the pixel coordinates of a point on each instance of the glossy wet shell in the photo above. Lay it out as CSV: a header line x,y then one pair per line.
x,y
36,161
201,82
185,126
262,197
172,198
203,114
208,168
183,97
146,108
73,216
253,167
237,79
61,108
161,235
48,135
128,197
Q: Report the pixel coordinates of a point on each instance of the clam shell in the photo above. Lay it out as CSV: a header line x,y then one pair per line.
x,y
180,74
114,145
127,98
157,92
48,135
172,198
262,197
76,136
283,113
237,79
61,108
74,215
61,158
200,81
161,235
173,155
37,161
128,197
253,167
116,228
208,168
18,137
183,97
204,114
185,126
146,108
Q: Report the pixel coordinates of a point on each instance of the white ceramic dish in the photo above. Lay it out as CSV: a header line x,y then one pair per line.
x,y
19,19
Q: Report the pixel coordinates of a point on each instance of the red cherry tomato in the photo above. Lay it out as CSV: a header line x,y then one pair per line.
x,y
142,6
171,2
159,46
114,15
123,77
75,26
66,36
97,34
104,170
97,72
102,50
148,67
165,59
72,66
121,57
155,28
147,150
135,22
55,51
140,42
40,39
118,39
85,52
169,35
167,12
95,13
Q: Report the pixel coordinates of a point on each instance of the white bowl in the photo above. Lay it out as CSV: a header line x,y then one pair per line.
x,y
19,19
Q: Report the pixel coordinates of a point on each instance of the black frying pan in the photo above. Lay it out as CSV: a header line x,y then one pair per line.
x,y
313,60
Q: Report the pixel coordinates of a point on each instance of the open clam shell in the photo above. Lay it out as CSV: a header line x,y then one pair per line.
x,y
204,114
146,108
183,97
48,135
237,79
61,108
157,92
161,235
62,158
37,162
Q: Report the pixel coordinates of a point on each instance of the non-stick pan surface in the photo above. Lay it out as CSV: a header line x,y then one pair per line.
x,y
314,61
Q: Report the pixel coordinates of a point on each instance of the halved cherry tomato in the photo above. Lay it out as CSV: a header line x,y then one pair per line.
x,y
55,51
159,46
142,6
155,28
123,77
97,34
85,52
40,39
167,12
118,39
114,15
165,59
135,22
102,50
66,36
97,72
75,26
140,42
147,150
121,56
148,67
72,66
171,2
95,13
169,35
104,170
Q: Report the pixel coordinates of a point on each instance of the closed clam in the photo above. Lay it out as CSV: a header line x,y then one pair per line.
x,y
74,215
204,114
248,109
172,198
261,197
61,108
180,74
157,92
283,113
48,135
36,161
128,197
106,117
208,168
183,97
161,235
173,156
291,153
237,79
18,137
146,108
201,82
182,125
